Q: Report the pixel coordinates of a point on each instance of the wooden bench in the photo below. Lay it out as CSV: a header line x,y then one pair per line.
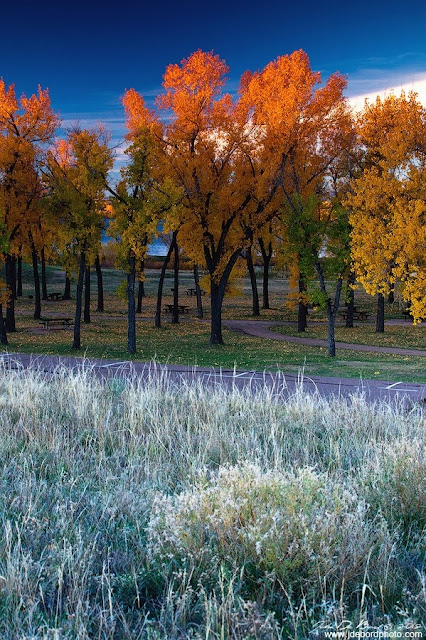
x,y
64,322
55,296
168,308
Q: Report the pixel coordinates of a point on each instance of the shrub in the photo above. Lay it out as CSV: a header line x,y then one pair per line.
x,y
288,530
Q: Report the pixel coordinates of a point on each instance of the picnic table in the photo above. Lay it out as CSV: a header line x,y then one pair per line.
x,y
192,291
55,296
182,308
64,322
357,314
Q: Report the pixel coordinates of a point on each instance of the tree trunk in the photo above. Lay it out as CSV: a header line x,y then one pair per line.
x,y
43,275
175,314
78,301
200,313
141,294
131,306
100,284
37,299
161,284
391,294
350,301
380,318
331,313
266,257
216,299
302,315
3,335
332,308
67,290
11,286
255,295
19,280
141,288
217,294
86,315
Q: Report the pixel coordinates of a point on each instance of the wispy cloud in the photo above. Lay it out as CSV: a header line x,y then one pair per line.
x,y
371,88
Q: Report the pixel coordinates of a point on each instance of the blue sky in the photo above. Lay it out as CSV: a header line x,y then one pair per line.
x,y
89,54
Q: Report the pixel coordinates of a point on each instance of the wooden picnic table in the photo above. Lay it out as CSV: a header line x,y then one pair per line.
x,y
64,322
182,308
357,314
57,295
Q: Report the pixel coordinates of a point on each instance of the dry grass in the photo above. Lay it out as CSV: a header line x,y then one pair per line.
x,y
158,510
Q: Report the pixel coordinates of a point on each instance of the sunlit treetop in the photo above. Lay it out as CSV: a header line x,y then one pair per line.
x,y
32,119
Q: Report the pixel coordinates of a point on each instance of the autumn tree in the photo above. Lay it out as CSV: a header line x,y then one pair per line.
x,y
229,156
386,200
311,128
27,125
77,198
140,199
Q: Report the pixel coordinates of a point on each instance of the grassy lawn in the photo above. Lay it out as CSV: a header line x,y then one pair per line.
x,y
187,343
405,336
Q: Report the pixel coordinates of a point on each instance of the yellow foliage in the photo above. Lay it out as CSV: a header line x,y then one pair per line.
x,y
388,200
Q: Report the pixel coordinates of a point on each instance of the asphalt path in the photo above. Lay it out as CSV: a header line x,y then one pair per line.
x,y
283,384
262,329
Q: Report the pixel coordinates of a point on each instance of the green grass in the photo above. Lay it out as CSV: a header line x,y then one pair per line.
x,y
405,336
187,343
156,511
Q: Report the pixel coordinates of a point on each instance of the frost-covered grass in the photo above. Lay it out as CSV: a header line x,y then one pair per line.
x,y
133,510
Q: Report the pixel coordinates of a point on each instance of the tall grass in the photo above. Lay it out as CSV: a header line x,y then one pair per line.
x,y
156,509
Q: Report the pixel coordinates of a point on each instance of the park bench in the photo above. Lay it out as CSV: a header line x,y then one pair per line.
x,y
168,308
64,322
55,296
193,292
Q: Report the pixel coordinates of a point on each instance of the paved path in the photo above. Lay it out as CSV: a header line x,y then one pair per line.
x,y
281,384
261,329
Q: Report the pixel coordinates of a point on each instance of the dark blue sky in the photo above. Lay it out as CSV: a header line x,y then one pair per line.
x,y
88,54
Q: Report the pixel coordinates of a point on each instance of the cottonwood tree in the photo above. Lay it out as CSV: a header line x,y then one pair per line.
x,y
140,199
77,199
229,156
387,200
27,125
309,128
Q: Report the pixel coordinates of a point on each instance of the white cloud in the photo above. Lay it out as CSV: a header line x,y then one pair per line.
x,y
385,86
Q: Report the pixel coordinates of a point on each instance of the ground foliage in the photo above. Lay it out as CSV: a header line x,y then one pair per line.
x,y
134,510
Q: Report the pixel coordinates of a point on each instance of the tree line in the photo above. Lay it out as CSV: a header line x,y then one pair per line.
x,y
284,166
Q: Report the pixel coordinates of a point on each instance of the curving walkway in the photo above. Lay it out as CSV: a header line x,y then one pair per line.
x,y
261,329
